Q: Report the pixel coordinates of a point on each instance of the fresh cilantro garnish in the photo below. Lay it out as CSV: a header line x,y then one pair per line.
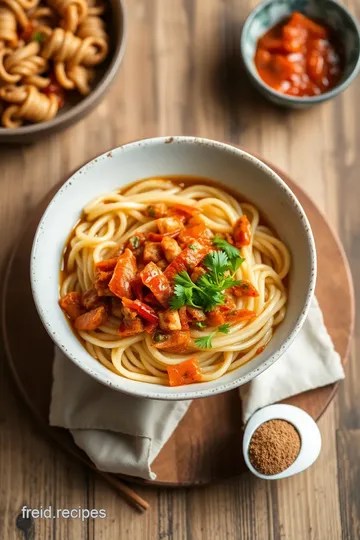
x,y
134,241
38,36
235,259
224,328
183,292
178,300
192,246
208,291
231,251
205,342
200,324
217,262
184,280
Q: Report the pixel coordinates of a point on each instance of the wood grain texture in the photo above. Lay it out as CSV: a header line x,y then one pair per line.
x,y
182,75
212,426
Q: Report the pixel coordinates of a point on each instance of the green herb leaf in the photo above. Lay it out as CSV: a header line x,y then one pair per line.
x,y
184,279
230,282
224,328
231,251
134,241
235,259
235,264
192,246
151,211
208,291
183,292
200,324
38,36
210,299
189,296
217,262
205,342
178,299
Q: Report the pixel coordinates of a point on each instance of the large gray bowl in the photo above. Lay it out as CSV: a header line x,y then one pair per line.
x,y
80,106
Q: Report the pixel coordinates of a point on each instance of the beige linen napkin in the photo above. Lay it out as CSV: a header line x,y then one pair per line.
x,y
120,433
124,434
310,362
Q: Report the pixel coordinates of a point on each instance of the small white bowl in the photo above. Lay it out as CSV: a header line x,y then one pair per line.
x,y
173,156
306,427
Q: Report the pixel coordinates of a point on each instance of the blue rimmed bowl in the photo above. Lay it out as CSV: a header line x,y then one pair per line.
x,y
334,15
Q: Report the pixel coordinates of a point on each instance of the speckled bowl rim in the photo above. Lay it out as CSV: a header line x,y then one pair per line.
x,y
78,111
252,71
188,394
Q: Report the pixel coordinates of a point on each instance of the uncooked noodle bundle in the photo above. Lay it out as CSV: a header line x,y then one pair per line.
x,y
29,104
72,12
8,34
47,50
21,63
168,282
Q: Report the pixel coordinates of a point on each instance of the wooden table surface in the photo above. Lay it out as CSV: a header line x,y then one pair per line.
x,y
181,75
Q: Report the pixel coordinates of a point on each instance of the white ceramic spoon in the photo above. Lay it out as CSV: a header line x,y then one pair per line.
x,y
306,427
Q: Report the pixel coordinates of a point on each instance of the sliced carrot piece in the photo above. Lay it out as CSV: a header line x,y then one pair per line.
x,y
72,305
239,315
176,341
186,372
124,273
153,278
191,233
242,232
92,319
190,210
246,288
107,265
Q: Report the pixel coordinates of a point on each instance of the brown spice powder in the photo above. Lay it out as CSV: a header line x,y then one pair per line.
x,y
274,447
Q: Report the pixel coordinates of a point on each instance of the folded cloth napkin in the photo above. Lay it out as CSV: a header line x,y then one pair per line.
x,y
124,434
120,433
310,362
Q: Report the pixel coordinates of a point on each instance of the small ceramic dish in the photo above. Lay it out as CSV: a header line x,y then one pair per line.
x,y
157,157
335,15
80,106
306,427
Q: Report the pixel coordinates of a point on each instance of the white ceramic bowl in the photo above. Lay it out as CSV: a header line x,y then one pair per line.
x,y
180,156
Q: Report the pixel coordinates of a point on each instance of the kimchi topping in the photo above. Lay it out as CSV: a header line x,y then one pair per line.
x,y
299,57
168,282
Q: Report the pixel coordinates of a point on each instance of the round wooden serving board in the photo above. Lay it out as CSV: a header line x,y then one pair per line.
x,y
206,446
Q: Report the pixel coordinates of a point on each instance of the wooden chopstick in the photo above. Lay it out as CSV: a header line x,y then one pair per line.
x,y
129,494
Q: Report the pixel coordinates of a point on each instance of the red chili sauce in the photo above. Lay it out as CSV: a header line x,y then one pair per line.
x,y
299,57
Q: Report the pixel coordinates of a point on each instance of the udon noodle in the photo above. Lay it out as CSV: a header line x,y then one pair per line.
x,y
109,223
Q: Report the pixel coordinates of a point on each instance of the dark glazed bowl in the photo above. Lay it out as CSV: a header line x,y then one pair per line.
x,y
80,106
